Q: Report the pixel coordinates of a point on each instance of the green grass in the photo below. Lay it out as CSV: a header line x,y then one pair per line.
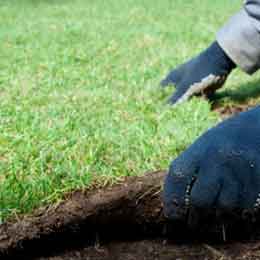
x,y
79,96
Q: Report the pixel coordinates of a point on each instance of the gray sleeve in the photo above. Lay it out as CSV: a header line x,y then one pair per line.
x,y
240,37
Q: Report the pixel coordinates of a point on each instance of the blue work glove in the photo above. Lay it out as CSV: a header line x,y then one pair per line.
x,y
201,75
219,171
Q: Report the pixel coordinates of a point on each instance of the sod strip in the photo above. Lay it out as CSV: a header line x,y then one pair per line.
x,y
134,203
129,211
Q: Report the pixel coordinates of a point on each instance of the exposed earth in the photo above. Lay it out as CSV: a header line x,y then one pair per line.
x,y
125,222
161,250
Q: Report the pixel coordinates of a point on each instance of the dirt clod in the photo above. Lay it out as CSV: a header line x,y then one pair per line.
x,y
231,109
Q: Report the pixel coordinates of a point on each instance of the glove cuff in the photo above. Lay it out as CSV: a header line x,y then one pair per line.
x,y
220,58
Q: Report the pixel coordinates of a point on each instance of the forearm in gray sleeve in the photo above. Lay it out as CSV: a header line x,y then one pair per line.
x,y
240,37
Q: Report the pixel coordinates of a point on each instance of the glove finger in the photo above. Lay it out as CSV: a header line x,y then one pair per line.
x,y
187,89
240,188
205,85
206,189
228,199
177,185
204,194
179,95
173,78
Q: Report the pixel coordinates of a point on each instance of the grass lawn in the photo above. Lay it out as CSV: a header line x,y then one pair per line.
x,y
79,97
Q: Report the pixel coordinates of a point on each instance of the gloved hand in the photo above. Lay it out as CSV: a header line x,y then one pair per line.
x,y
201,75
219,171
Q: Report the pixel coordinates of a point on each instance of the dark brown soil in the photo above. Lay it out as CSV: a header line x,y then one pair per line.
x,y
161,250
229,110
